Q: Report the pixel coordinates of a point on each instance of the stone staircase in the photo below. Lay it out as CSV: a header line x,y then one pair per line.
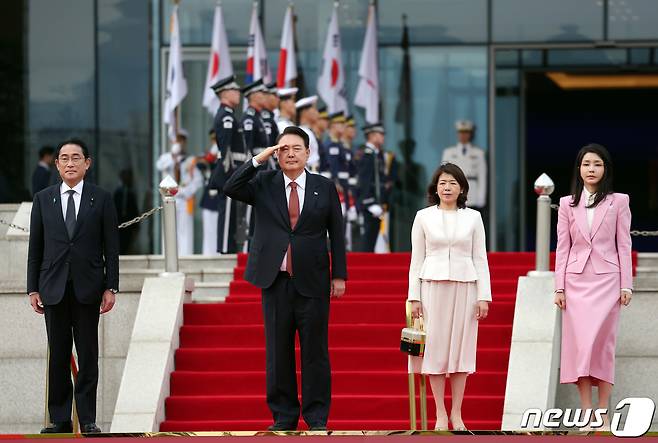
x,y
212,275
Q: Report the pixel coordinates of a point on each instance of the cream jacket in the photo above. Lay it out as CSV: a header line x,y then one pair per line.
x,y
435,256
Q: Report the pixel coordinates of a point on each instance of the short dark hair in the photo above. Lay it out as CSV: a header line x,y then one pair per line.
x,y
46,150
73,141
605,185
295,130
455,171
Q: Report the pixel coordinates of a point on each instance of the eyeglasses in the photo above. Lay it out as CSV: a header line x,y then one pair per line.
x,y
65,159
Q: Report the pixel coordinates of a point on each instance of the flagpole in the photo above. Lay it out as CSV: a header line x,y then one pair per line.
x,y
177,111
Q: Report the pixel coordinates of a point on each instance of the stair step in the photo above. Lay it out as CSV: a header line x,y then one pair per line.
x,y
342,359
343,311
204,383
343,407
365,335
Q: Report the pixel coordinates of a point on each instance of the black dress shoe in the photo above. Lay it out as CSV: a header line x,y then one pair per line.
x,y
317,428
90,428
58,428
282,427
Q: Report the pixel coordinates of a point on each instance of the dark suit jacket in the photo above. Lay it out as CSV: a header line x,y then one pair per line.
x,y
40,179
321,214
92,255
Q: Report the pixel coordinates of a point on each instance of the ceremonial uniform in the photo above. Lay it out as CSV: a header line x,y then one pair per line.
x,y
286,95
189,180
232,154
473,161
270,125
209,203
371,193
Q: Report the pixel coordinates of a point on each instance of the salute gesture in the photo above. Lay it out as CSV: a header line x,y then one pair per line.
x,y
267,153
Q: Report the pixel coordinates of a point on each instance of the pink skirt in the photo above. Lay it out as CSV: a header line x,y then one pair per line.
x,y
449,309
589,325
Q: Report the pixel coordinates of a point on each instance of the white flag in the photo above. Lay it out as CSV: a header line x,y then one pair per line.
x,y
257,66
367,93
219,64
331,83
176,88
287,70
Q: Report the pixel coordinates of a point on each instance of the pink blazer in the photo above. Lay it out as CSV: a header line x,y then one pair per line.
x,y
608,244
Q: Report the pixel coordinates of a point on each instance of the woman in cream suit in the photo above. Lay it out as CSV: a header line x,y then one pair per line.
x,y
593,274
449,287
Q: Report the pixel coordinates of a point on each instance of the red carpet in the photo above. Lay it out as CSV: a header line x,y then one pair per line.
x,y
219,381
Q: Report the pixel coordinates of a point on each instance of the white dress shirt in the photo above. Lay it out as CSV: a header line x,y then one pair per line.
x,y
589,199
77,196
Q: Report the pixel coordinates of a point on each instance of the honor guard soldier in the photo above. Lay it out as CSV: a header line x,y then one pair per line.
x,y
232,153
210,199
307,116
472,160
348,139
321,124
337,165
253,127
286,108
372,198
269,111
352,215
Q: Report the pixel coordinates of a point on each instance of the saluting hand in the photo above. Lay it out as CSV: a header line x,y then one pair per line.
x,y
266,154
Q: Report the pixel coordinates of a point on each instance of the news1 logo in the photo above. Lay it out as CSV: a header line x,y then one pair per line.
x,y
638,414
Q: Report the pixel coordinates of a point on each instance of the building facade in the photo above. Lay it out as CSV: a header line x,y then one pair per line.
x,y
95,68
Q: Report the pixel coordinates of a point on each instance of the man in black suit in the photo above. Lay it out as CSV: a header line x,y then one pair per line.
x,y
72,277
42,172
288,260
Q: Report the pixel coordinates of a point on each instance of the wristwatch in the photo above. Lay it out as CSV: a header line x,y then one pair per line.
x,y
113,291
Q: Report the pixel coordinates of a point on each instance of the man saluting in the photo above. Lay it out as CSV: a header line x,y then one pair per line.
x,y
288,260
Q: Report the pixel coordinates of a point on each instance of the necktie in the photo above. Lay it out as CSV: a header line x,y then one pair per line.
x,y
293,213
69,220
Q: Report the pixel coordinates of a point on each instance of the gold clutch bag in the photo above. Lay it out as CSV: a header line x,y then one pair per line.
x,y
412,340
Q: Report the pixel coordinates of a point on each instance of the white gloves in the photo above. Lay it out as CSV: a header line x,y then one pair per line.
x,y
352,214
376,210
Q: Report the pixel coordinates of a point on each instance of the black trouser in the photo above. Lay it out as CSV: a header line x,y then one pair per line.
x,y
371,227
223,205
67,321
285,312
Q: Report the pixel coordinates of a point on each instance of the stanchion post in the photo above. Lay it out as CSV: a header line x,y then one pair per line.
x,y
168,190
423,402
544,187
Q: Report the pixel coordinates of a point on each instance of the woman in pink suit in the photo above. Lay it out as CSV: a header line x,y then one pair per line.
x,y
593,274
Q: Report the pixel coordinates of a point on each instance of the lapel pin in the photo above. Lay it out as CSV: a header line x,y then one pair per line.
x,y
315,193
91,203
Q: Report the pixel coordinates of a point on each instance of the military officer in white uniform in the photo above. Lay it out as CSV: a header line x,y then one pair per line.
x,y
184,170
472,160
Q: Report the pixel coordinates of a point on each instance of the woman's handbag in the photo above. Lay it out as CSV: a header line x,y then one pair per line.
x,y
412,340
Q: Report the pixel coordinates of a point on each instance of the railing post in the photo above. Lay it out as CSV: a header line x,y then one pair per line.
x,y
168,189
544,187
